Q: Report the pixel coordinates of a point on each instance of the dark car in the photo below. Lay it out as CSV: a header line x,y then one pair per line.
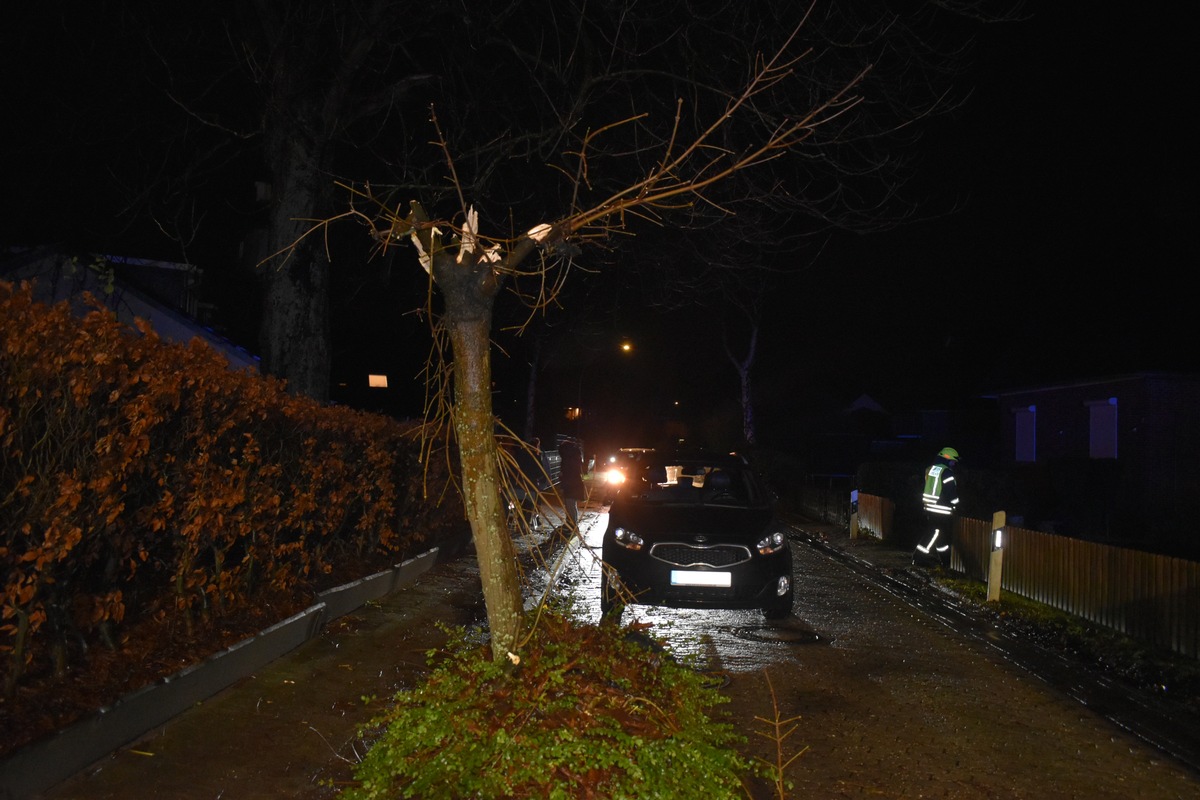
x,y
617,468
696,531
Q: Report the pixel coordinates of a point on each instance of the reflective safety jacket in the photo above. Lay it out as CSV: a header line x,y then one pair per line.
x,y
941,492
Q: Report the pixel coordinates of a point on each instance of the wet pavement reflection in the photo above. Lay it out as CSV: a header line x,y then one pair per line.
x,y
738,640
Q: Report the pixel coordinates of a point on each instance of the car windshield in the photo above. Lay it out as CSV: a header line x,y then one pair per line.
x,y
695,482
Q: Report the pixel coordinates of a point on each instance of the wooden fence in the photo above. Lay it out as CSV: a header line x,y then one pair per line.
x,y
876,515
1149,597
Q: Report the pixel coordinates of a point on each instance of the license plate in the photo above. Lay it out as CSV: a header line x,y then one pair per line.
x,y
682,577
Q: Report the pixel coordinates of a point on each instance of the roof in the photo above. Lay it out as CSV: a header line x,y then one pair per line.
x,y
58,276
1097,381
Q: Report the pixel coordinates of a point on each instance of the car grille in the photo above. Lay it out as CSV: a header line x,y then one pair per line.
x,y
686,555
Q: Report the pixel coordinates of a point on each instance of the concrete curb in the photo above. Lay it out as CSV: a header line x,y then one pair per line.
x,y
342,600
50,761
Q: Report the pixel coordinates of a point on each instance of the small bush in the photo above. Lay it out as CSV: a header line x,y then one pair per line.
x,y
590,711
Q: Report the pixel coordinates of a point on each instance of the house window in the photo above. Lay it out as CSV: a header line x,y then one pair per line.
x,y
1102,428
1026,430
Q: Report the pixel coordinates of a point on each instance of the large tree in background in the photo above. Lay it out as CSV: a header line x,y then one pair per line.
x,y
306,64
732,271
319,74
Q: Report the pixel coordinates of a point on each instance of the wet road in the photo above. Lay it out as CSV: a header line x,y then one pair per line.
x,y
895,704
891,702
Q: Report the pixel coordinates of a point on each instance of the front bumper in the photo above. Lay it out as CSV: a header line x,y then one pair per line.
x,y
651,580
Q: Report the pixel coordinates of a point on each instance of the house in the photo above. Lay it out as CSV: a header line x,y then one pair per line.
x,y
161,292
1111,459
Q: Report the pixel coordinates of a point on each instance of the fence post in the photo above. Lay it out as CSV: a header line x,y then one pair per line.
x,y
997,560
854,514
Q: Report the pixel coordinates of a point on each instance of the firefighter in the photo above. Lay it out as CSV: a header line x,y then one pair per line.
x,y
940,501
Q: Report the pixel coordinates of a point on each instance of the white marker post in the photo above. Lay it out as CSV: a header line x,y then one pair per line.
x,y
997,560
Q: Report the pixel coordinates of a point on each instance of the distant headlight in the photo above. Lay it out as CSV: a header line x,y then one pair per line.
x,y
614,476
628,539
772,544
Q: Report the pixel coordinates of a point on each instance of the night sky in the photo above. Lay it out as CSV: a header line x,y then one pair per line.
x,y
1069,181
1074,169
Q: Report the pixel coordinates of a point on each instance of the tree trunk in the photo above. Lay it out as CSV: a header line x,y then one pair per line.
x,y
531,389
745,369
294,337
469,292
295,327
748,432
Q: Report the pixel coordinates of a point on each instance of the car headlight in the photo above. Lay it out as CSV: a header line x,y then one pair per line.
x,y
614,477
628,539
772,544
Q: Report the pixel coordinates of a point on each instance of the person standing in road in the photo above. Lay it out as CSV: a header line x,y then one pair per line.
x,y
940,502
571,480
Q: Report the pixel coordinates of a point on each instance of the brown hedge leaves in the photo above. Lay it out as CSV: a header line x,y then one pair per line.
x,y
141,477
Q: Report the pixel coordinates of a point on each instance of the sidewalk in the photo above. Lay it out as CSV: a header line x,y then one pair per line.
x,y
290,728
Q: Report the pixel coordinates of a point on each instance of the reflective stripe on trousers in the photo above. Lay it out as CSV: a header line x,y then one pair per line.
x,y
925,548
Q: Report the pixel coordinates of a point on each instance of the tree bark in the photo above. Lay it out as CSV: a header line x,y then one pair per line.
x,y
531,387
745,369
295,327
294,337
473,423
311,60
748,432
469,291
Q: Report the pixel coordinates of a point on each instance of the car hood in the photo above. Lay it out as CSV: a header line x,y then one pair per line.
x,y
655,522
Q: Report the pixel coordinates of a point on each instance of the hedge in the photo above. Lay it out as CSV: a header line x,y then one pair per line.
x,y
139,476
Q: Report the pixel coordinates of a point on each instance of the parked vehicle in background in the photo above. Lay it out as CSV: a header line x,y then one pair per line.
x,y
618,467
695,530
